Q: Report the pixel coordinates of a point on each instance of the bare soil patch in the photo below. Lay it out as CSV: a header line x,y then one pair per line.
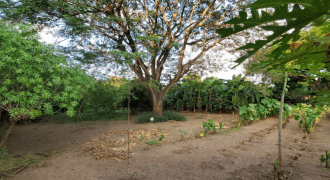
x,y
90,150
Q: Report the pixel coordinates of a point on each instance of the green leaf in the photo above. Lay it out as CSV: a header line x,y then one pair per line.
x,y
296,19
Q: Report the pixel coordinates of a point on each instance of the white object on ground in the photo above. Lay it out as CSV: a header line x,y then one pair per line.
x,y
152,119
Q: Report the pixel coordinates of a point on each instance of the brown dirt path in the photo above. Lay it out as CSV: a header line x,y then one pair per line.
x,y
221,156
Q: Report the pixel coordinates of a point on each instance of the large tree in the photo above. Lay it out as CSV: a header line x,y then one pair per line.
x,y
158,40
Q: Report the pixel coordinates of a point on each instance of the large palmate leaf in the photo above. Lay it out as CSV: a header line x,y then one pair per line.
x,y
299,16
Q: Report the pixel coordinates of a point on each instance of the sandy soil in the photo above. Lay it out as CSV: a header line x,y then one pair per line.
x,y
245,153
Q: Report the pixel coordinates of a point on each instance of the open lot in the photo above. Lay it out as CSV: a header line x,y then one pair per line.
x,y
247,152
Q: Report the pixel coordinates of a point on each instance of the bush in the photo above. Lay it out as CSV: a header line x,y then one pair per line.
x,y
145,117
167,115
174,116
161,119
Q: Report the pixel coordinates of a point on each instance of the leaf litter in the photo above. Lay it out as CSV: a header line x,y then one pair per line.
x,y
113,144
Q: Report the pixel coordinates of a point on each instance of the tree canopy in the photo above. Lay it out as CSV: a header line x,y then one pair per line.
x,y
157,40
34,77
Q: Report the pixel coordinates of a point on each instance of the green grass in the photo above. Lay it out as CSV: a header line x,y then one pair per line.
x,y
151,142
10,165
103,115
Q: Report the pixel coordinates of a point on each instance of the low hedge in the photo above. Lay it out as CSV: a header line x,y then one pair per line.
x,y
167,115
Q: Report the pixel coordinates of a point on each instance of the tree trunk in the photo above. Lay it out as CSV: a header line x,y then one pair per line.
x,y
3,139
205,107
210,105
157,102
280,159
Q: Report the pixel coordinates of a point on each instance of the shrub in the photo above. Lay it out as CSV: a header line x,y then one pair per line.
x,y
167,115
174,116
161,119
144,117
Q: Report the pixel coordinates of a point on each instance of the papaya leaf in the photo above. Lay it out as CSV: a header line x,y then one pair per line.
x,y
297,18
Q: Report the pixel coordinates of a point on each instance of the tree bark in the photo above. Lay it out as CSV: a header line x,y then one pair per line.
x,y
157,101
280,159
3,140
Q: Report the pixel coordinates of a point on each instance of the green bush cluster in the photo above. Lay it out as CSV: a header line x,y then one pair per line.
x,y
167,115
309,115
174,116
268,107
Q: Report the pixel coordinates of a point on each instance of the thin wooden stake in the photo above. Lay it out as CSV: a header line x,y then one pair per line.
x,y
280,159
128,130
326,159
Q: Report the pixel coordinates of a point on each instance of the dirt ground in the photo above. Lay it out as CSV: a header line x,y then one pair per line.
x,y
244,153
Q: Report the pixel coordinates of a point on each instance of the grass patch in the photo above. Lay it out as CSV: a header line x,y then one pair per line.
x,y
151,142
167,115
89,116
9,166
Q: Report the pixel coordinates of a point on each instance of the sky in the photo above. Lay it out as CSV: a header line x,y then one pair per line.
x,y
51,39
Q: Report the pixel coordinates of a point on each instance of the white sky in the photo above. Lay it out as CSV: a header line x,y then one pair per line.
x,y
50,39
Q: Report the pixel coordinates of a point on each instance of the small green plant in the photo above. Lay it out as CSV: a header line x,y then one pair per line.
x,y
155,141
161,138
57,152
182,134
325,159
3,153
209,125
199,117
142,137
276,166
220,126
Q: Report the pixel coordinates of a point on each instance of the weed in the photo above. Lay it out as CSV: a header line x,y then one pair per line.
x,y
182,134
3,153
209,125
155,141
57,152
79,154
276,166
142,137
151,142
11,165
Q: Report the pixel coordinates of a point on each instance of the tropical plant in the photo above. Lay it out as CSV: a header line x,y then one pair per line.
x,y
309,116
209,125
267,107
297,17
